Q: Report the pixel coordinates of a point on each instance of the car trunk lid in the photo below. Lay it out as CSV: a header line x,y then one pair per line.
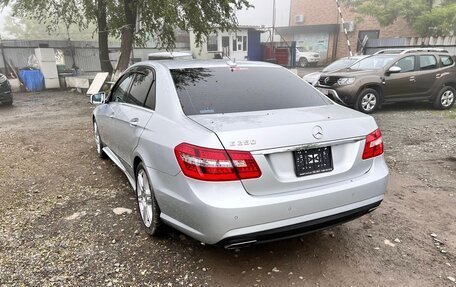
x,y
274,136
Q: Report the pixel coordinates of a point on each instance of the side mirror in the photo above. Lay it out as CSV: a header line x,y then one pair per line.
x,y
98,98
394,70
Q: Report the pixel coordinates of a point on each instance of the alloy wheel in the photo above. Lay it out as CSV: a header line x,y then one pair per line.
x,y
96,136
447,98
144,198
368,102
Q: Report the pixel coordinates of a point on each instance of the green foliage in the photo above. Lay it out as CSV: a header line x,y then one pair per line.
x,y
427,17
158,18
440,21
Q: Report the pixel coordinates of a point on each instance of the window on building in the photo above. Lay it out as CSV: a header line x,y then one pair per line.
x,y
212,45
239,41
244,43
235,44
427,62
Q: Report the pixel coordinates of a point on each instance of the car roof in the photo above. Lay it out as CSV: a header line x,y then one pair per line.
x,y
192,64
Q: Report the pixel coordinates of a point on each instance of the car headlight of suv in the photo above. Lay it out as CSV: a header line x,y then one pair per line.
x,y
346,81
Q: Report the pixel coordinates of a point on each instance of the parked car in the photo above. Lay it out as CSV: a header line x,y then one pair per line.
x,y
337,65
305,58
198,141
6,96
410,75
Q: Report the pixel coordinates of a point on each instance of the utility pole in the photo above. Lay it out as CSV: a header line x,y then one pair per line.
x,y
345,28
273,18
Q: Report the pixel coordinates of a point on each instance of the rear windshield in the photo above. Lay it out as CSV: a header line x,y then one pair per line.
x,y
232,90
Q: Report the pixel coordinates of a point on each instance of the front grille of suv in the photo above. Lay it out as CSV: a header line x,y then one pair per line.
x,y
324,82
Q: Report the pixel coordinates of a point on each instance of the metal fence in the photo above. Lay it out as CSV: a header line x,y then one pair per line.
x,y
80,53
448,43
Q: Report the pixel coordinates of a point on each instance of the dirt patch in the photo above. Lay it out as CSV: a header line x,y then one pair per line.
x,y
58,228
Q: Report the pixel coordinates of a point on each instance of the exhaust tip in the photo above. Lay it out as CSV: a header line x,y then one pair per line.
x,y
242,244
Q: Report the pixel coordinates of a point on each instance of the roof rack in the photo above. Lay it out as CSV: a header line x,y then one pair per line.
x,y
411,50
389,51
406,51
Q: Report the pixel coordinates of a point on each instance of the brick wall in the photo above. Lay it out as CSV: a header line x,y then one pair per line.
x,y
319,12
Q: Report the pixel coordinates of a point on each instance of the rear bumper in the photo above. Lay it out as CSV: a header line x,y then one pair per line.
x,y
223,213
296,229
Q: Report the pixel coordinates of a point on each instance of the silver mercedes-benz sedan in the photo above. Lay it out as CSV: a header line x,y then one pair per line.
x,y
234,154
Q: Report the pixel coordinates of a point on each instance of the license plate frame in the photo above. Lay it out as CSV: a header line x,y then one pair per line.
x,y
313,161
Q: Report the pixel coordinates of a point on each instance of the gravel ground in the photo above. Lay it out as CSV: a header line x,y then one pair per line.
x,y
58,228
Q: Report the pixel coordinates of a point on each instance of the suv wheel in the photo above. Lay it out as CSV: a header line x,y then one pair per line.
x,y
98,143
303,62
445,98
148,208
368,101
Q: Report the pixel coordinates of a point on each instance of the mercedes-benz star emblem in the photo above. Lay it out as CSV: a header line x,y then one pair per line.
x,y
326,80
317,132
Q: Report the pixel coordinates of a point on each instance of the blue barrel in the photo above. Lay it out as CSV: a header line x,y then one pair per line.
x,y
32,79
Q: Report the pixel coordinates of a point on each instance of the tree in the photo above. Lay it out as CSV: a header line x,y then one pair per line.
x,y
120,18
427,17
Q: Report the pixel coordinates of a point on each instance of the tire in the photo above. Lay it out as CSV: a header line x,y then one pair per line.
x,y
148,209
445,98
368,101
8,103
98,142
303,62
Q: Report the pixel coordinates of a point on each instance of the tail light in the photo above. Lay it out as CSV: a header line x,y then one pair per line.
x,y
374,145
216,164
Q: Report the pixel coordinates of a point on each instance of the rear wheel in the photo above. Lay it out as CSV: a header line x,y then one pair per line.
x,y
98,143
445,98
368,101
303,62
9,103
148,208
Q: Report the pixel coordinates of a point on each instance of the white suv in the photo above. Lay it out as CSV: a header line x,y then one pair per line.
x,y
305,58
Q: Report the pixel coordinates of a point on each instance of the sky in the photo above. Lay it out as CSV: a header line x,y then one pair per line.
x,y
262,14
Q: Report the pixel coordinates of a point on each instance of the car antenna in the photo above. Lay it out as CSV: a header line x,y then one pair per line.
x,y
232,63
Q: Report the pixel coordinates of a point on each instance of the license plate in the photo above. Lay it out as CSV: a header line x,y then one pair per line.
x,y
313,161
324,91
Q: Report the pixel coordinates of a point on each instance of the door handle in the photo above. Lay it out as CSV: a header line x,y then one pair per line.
x,y
111,116
412,79
438,76
134,122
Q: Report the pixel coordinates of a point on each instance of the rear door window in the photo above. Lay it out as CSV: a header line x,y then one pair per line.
x,y
446,60
222,90
427,62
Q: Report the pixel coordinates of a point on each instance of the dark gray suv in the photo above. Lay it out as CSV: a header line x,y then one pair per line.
x,y
388,76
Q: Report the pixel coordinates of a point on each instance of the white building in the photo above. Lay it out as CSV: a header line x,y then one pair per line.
x,y
242,44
